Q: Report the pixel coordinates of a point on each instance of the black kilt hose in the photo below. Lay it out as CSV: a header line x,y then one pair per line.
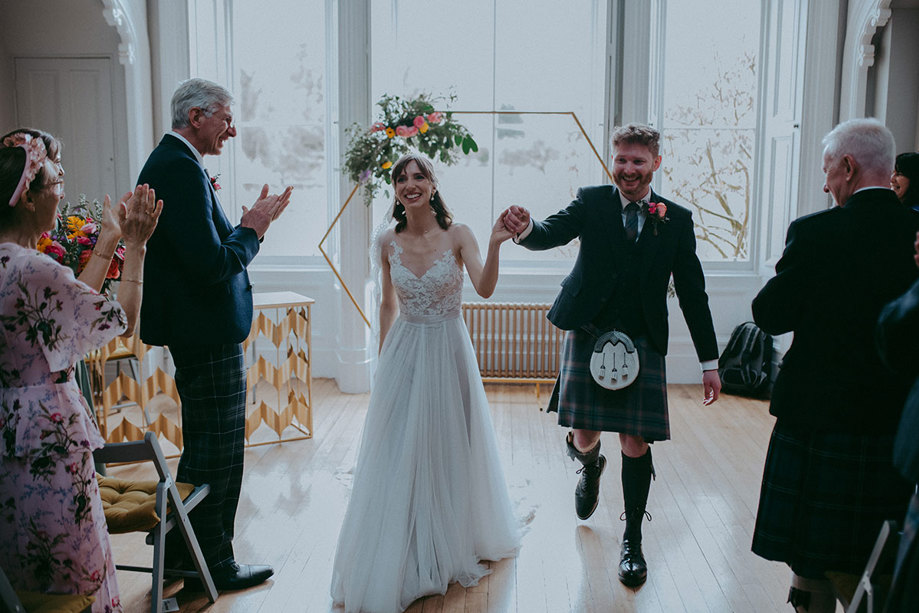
x,y
824,497
639,409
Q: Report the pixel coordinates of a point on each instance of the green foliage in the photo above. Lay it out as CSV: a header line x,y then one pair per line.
x,y
404,125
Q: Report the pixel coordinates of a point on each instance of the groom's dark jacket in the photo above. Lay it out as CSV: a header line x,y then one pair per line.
x,y
196,288
595,217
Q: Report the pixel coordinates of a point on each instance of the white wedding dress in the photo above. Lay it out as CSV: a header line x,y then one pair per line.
x,y
429,499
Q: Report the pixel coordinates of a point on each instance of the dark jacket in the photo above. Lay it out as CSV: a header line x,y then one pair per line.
x,y
898,343
839,268
196,288
595,217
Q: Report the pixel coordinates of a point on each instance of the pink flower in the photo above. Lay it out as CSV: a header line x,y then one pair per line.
x,y
419,121
435,117
55,250
406,131
85,241
73,467
377,127
57,418
658,209
88,228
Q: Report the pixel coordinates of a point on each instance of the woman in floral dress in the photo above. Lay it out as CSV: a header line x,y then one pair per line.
x,y
53,535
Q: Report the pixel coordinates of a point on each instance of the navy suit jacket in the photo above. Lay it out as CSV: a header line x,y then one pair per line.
x,y
839,268
595,216
196,288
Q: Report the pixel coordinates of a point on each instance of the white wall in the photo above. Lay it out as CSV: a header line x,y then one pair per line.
x,y
61,28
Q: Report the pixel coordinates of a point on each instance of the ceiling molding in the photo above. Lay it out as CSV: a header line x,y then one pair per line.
x,y
117,16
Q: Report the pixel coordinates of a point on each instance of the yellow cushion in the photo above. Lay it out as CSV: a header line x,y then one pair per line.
x,y
130,506
54,603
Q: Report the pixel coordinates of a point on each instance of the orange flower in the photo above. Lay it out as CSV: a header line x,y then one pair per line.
x,y
386,165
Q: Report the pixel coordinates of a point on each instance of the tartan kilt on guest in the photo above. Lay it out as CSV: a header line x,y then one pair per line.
x,y
824,497
639,409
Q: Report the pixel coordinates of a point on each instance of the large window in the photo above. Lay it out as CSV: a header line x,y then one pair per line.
x,y
503,55
704,103
275,62
494,56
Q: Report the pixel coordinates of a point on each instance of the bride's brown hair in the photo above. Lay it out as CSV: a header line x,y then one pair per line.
x,y
441,212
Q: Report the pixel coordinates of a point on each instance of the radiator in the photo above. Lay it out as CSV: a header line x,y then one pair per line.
x,y
514,341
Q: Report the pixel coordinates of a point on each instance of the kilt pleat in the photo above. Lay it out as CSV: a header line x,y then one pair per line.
x,y
824,497
639,409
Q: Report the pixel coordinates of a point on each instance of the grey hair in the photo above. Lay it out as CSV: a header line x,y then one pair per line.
x,y
867,141
636,133
197,93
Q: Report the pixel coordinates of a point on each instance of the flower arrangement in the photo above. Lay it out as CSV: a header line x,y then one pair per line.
x,y
657,214
74,236
403,124
214,182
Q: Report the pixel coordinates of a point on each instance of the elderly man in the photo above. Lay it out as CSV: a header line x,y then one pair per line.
x,y
631,241
828,482
198,302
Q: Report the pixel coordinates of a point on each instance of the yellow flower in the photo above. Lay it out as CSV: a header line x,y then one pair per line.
x,y
386,165
390,132
424,127
75,222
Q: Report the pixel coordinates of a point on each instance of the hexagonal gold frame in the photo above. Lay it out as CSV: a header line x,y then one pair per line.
x,y
344,285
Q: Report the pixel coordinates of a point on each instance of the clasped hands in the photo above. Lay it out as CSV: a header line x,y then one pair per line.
x,y
266,209
516,219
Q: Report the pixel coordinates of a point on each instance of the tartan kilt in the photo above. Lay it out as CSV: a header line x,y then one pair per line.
x,y
824,497
639,409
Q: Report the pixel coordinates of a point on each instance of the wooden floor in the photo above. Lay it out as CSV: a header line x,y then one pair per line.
x,y
703,505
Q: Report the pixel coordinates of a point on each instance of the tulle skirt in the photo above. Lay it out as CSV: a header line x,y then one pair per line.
x,y
429,499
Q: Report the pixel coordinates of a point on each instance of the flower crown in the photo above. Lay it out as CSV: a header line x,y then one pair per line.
x,y
35,157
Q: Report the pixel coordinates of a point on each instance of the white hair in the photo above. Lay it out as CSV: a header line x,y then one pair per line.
x,y
197,93
867,141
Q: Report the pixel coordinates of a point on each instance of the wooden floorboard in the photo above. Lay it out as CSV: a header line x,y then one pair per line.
x,y
703,504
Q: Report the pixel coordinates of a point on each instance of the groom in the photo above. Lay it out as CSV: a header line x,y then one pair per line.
x,y
631,241
198,302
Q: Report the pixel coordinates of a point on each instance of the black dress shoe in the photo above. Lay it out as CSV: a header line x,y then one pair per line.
x,y
587,493
233,577
633,570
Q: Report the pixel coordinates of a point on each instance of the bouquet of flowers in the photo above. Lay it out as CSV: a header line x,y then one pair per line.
x,y
74,236
403,124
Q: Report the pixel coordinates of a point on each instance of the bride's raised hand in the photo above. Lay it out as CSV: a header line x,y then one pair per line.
x,y
499,232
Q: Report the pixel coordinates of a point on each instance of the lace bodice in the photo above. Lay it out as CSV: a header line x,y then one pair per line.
x,y
435,295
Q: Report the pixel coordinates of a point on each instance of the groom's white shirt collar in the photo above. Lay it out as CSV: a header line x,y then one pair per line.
x,y
198,155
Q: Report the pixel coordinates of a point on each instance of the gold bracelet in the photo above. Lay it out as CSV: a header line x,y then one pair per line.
x,y
106,258
138,281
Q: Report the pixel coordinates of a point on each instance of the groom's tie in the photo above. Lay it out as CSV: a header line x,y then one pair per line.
x,y
631,221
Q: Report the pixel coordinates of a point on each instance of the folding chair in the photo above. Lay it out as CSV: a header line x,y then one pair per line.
x,y
22,602
869,591
142,507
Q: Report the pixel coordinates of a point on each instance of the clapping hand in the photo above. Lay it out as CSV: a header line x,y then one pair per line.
x,y
138,215
267,208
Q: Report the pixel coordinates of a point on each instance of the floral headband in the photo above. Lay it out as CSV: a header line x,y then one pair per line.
x,y
35,157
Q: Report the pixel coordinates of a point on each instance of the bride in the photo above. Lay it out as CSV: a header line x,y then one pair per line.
x,y
429,499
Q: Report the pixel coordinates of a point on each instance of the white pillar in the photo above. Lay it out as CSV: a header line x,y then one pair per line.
x,y
354,105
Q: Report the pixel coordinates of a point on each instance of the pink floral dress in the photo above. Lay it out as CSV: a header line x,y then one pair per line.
x,y
53,536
